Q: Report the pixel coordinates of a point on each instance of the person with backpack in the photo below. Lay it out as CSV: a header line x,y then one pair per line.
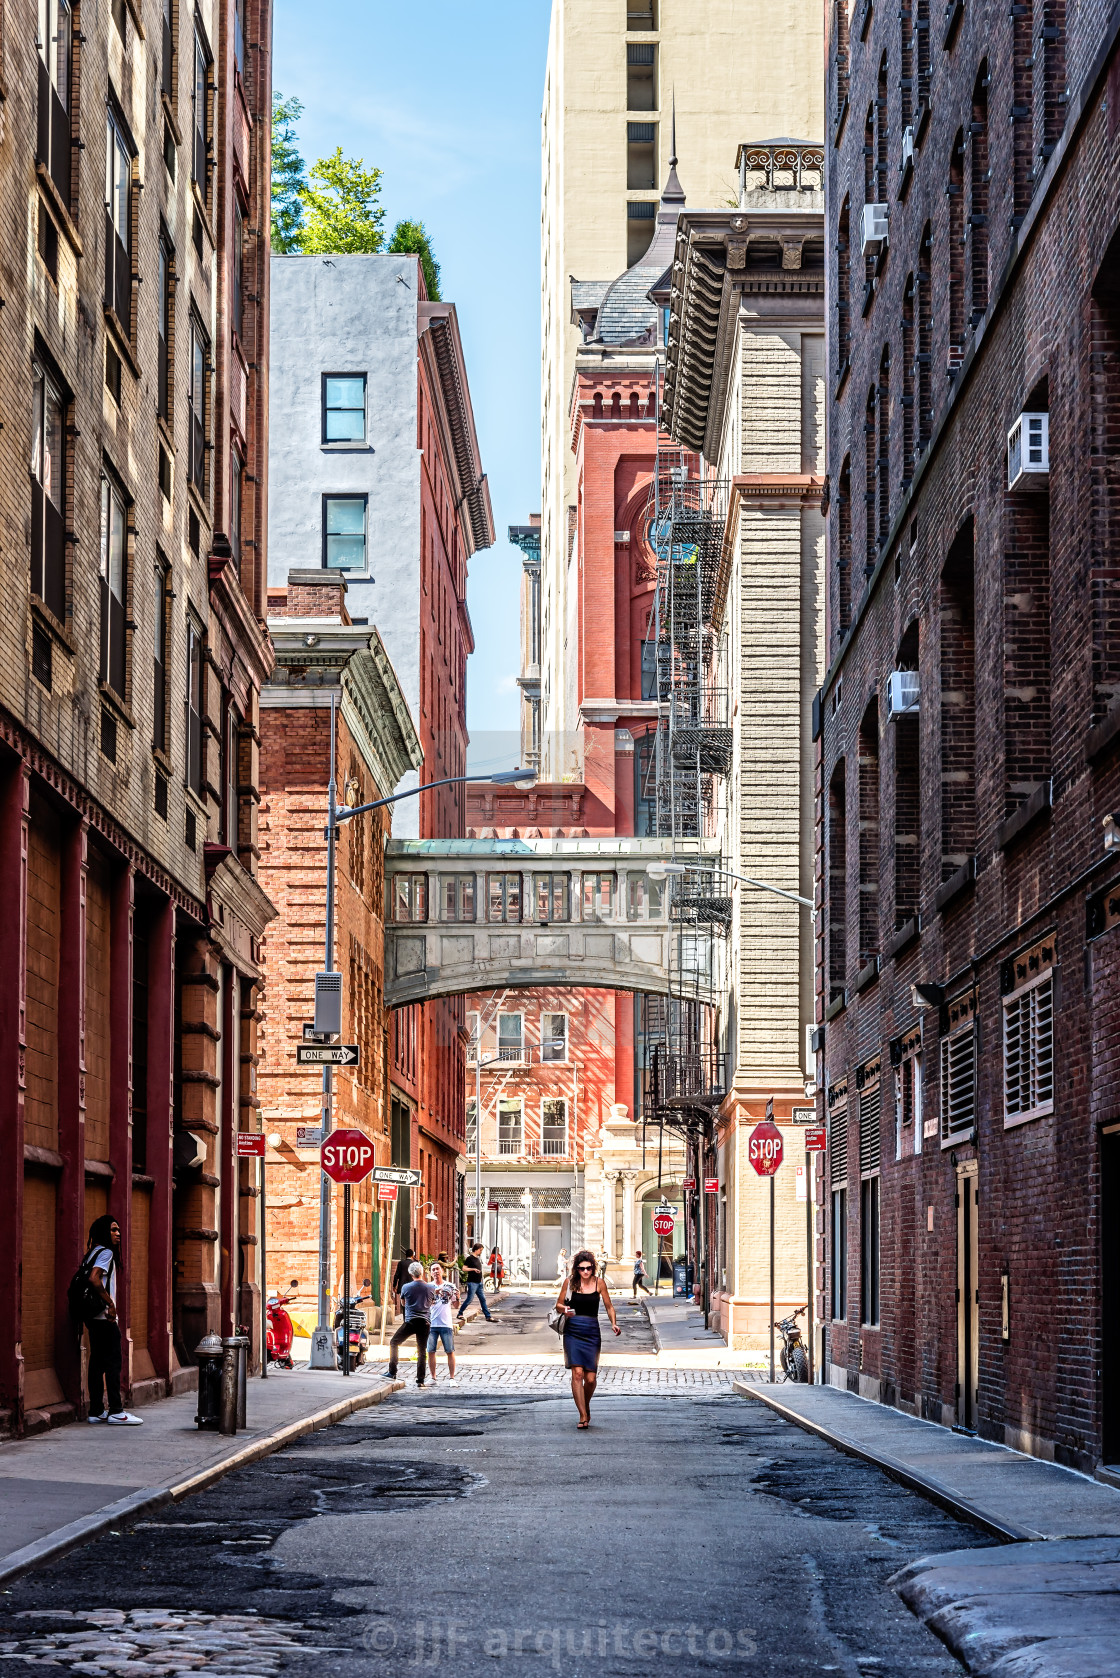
x,y
93,1304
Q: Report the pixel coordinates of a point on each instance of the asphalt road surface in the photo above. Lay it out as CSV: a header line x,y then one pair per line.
x,y
480,1533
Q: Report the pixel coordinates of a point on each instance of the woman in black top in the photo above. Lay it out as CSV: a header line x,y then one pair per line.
x,y
579,1298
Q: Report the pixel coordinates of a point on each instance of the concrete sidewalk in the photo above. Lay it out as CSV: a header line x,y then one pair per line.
x,y
682,1339
57,1489
1045,1603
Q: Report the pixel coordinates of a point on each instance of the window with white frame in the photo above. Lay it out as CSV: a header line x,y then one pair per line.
x,y
554,1036
510,1130
1028,1051
598,897
114,578
474,1034
472,1126
511,1036
554,1127
908,1103
410,897
958,1083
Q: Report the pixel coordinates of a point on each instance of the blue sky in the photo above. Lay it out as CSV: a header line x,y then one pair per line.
x,y
446,98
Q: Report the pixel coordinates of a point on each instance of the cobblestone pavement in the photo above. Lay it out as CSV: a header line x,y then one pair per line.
x,y
538,1378
475,1531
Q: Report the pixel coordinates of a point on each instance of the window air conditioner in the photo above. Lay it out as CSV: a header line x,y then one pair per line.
x,y
875,218
907,149
902,694
1028,453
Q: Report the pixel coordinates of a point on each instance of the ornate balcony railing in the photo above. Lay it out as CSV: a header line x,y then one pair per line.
x,y
781,166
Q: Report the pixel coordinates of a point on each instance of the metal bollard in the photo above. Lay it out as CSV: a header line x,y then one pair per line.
x,y
231,1348
209,1355
243,1345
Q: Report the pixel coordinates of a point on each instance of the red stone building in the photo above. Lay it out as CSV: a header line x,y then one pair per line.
x,y
321,657
968,723
132,650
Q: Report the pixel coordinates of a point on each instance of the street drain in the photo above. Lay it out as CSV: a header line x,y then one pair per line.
x,y
158,1642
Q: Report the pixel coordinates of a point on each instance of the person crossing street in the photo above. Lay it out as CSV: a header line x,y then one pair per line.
x,y
639,1274
472,1275
416,1301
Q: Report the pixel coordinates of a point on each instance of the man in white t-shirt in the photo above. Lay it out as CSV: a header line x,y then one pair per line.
x,y
445,1296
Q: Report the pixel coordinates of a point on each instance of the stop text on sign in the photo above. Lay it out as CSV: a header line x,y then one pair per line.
x,y
347,1156
765,1149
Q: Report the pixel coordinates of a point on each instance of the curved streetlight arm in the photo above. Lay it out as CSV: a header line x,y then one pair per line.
x,y
655,871
504,777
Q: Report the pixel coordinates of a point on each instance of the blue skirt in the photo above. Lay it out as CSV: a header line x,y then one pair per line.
x,y
582,1343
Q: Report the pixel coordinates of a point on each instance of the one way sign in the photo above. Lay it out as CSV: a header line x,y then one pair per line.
x,y
333,1054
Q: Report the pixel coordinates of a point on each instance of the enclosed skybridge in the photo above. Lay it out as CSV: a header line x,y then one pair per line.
x,y
487,914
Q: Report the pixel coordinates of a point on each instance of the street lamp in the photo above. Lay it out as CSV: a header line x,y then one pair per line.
x,y
322,1351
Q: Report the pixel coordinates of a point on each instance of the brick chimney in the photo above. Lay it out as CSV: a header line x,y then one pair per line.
x,y
310,594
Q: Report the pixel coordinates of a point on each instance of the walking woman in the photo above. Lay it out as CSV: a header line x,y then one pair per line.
x,y
579,1298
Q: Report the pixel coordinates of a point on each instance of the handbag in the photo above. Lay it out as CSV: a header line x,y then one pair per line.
x,y
556,1320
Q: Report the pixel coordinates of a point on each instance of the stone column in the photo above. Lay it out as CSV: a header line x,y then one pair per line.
x,y
161,1048
628,1241
610,1178
14,803
70,1219
226,1168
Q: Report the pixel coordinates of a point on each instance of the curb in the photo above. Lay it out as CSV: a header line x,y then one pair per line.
x,y
925,1485
150,1498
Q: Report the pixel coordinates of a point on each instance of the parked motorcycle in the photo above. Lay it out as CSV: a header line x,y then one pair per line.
x,y
795,1358
278,1340
358,1329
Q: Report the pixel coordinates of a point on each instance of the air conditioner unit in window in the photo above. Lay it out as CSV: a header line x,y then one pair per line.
x,y
907,149
1028,453
875,219
902,694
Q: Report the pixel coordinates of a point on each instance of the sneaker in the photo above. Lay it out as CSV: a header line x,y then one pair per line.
x,y
392,1374
423,1383
451,1381
103,1417
124,1418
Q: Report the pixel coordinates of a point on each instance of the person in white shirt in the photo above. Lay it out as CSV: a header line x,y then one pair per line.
x,y
102,1264
445,1296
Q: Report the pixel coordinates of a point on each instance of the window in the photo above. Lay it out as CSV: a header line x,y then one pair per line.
x,y
511,1037
194,707
503,897
869,835
200,116
457,897
550,892
908,1101
239,36
554,1127
196,399
54,149
1028,1051
838,1177
837,886
843,288
644,898
167,52
344,532
645,788
118,221
236,479
114,539
641,78
231,798
958,1083
554,1036
641,15
509,1125
236,299
344,407
870,1155
598,897
958,703
48,243
472,1126
955,191
48,483
165,270
161,602
978,219
844,548
641,156
410,897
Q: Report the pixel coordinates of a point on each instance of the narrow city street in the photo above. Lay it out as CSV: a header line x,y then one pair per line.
x,y
690,1530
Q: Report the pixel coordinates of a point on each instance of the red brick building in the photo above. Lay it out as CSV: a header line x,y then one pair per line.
x,y
322,657
132,650
967,993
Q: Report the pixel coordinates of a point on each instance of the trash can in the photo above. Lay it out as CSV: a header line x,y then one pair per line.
x,y
208,1352
680,1279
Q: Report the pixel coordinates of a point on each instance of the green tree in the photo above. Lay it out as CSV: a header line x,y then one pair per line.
x,y
288,178
411,239
342,212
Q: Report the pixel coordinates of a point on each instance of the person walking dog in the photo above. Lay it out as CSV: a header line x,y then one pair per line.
x,y
101,1266
416,1301
472,1275
579,1298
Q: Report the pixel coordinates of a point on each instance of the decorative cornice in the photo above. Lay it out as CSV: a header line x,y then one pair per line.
x,y
378,717
248,636
438,324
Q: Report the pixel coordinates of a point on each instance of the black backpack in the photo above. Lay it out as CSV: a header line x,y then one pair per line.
x,y
84,1301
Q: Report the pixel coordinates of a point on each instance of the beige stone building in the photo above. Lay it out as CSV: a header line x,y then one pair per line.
x,y
616,70
744,390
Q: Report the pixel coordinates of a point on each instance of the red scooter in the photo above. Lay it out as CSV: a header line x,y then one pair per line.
x,y
278,1341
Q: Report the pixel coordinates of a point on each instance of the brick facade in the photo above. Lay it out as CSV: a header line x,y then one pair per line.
x,y
993,885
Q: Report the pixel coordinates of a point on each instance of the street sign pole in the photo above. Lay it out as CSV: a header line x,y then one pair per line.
x,y
346,1279
771,1278
322,1356
264,1282
385,1307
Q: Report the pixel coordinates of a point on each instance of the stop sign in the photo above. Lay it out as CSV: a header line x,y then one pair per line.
x,y
347,1156
664,1223
765,1149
